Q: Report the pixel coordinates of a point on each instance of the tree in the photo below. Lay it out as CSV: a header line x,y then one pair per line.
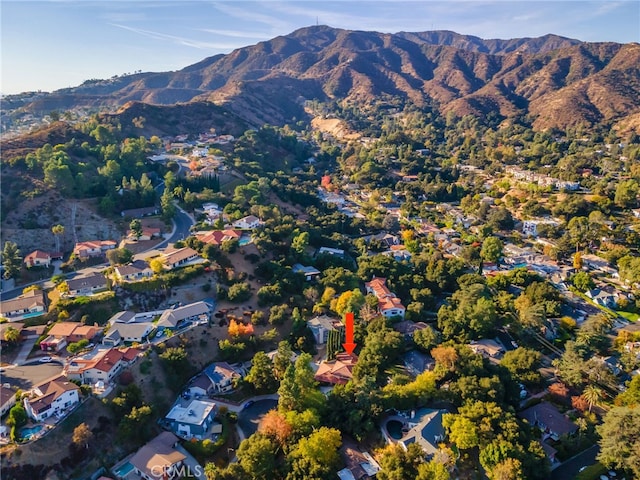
x,y
82,435
462,431
11,260
58,231
156,266
620,439
426,338
239,292
592,395
300,242
491,249
12,335
282,359
261,375
257,456
315,456
627,193
582,281
17,416
275,426
396,463
349,301
136,228
119,256
523,364
577,261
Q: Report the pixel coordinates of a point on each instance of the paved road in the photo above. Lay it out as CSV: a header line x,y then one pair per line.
x,y
26,376
570,468
25,350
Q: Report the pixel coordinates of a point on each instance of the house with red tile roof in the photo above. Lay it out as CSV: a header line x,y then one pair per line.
x,y
104,366
338,371
51,398
63,333
216,237
38,258
93,248
388,304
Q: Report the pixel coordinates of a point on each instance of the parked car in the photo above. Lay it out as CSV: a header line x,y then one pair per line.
x,y
45,359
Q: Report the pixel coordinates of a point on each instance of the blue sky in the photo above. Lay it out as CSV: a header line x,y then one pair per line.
x,y
53,44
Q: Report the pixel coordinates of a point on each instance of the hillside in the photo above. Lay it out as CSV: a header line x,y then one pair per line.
x,y
556,81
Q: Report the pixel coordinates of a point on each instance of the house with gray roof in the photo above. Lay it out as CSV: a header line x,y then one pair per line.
x,y
192,420
176,317
321,326
87,285
425,429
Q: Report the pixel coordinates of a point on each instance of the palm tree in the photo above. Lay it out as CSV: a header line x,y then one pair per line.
x,y
58,231
592,395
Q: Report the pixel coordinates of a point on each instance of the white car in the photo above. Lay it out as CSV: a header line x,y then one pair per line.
x,y
45,359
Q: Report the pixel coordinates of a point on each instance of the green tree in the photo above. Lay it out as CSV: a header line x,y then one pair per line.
x,y
315,456
523,363
491,249
300,242
261,375
12,335
11,260
396,463
462,431
426,338
17,416
620,440
257,456
136,228
627,193
582,281
592,395
282,359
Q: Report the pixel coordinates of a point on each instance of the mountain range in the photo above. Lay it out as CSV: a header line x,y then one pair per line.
x,y
551,80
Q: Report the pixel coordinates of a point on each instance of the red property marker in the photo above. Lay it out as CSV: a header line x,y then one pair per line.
x,y
349,345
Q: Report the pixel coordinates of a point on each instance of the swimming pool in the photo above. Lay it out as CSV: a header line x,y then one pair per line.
x,y
28,432
244,240
394,427
123,470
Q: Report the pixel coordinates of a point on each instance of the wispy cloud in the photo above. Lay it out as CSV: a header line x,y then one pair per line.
x,y
249,13
188,42
237,33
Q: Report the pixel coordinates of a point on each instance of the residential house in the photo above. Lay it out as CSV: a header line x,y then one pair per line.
x,y
50,398
398,252
38,258
546,416
486,347
201,386
388,304
338,371
331,251
321,326
140,212
85,286
408,328
424,428
103,366
7,399
530,227
217,237
602,298
159,458
147,233
385,239
93,248
222,376
309,273
358,465
29,305
416,362
179,258
133,272
63,333
192,420
135,332
177,317
247,223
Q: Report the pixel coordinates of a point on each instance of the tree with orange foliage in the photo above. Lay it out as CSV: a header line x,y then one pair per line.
x,y
275,425
237,329
559,391
579,403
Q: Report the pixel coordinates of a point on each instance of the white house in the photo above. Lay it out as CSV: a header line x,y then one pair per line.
x,y
247,223
159,459
530,227
51,398
38,258
103,367
388,304
321,326
7,399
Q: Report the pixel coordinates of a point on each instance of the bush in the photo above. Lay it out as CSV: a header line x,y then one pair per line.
x,y
239,292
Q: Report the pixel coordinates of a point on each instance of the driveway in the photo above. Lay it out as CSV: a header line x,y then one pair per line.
x,y
25,377
249,418
571,467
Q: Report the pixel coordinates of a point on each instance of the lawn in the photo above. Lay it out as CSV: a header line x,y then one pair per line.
x,y
631,316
